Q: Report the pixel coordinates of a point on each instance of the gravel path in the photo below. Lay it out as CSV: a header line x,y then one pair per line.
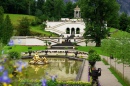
x,y
106,78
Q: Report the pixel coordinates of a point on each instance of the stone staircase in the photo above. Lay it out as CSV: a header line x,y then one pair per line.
x,y
54,30
51,40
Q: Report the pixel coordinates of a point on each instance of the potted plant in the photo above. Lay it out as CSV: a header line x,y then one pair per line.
x,y
29,52
49,43
75,44
93,57
76,53
46,52
46,42
111,56
66,53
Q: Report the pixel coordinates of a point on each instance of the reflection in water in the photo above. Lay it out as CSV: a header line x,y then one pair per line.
x,y
64,68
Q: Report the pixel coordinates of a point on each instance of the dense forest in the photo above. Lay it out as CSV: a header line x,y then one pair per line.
x,y
51,9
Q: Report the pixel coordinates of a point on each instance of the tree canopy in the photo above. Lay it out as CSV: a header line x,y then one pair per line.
x,y
96,14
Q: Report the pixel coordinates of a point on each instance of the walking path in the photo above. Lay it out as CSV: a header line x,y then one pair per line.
x,y
119,67
106,78
84,76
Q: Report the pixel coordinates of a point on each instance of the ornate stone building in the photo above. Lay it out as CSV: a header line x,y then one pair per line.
x,y
66,26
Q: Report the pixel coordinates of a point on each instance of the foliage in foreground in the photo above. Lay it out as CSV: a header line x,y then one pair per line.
x,y
52,83
13,55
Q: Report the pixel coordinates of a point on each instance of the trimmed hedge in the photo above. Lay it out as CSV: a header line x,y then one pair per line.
x,y
52,83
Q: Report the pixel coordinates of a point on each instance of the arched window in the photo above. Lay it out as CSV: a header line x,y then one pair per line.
x,y
72,31
67,30
77,31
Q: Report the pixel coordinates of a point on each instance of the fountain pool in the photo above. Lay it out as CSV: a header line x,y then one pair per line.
x,y
63,68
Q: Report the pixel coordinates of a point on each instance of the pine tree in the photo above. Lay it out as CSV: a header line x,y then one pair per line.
x,y
1,21
7,30
23,28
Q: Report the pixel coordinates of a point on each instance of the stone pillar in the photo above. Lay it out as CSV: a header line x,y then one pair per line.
x,y
78,14
75,31
74,13
60,40
70,31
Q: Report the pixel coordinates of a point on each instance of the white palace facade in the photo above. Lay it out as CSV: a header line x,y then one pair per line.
x,y
66,26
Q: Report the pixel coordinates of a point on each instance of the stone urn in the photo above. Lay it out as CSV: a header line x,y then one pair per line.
x,y
92,63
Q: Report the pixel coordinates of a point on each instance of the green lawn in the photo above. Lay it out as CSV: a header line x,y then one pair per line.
x,y
118,77
119,33
20,48
39,30
87,48
112,29
16,17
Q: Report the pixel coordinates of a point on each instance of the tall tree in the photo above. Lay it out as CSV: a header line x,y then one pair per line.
x,y
1,21
69,10
97,12
123,21
23,28
1,14
40,4
49,8
59,8
29,3
7,30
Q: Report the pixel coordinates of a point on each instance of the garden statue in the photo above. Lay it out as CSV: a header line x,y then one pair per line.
x,y
76,53
95,74
38,60
66,52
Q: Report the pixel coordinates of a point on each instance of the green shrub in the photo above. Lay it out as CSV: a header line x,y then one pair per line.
x,y
105,62
54,83
91,51
35,33
33,23
29,47
43,26
9,47
74,83
14,55
94,57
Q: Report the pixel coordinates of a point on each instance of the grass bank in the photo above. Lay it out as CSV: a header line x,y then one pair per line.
x,y
20,48
118,75
16,17
87,48
38,29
